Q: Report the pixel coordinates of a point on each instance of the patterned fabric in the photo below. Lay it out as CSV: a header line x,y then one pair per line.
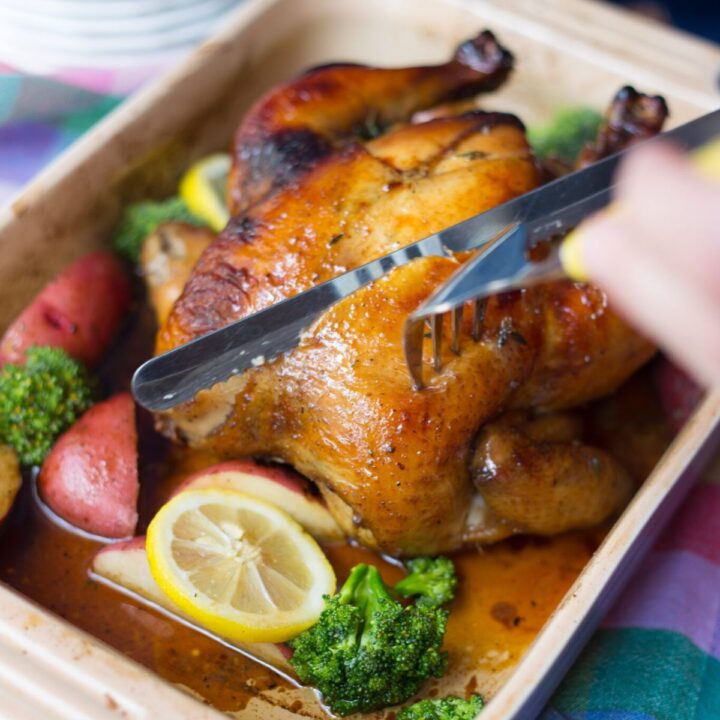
x,y
28,145
657,656
39,118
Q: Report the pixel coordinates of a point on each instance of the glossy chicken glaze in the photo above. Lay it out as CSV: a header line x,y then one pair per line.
x,y
299,123
351,208
395,465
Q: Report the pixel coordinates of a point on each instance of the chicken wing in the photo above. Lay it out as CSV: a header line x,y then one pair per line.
x,y
534,475
632,117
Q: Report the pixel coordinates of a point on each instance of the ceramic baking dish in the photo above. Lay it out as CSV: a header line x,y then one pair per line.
x,y
569,52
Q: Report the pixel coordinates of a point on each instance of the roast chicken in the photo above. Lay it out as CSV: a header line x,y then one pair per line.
x,y
340,166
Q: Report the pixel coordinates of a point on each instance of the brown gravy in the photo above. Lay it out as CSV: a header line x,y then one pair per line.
x,y
505,595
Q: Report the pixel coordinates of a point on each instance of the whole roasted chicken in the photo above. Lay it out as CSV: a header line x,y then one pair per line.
x,y
340,166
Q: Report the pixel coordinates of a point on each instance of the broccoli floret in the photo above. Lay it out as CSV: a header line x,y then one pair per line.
x,y
366,650
431,581
40,399
447,708
564,136
140,220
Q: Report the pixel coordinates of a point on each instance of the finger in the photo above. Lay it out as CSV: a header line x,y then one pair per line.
x,y
663,304
674,210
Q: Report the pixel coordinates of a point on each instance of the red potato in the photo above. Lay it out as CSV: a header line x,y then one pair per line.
x,y
280,486
679,393
79,311
125,565
90,477
10,480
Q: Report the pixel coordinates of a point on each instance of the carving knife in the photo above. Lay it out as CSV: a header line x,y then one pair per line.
x,y
178,375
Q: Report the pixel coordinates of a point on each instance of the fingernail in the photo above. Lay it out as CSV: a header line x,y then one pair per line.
x,y
706,160
571,256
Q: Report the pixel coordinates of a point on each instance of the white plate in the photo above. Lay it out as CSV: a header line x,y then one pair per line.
x,y
42,45
20,57
42,41
15,15
103,8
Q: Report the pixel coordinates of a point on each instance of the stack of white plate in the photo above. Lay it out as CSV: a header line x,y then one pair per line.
x,y
51,36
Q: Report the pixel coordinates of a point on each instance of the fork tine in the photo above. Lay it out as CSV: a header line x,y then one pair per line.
x,y
413,338
478,317
457,316
436,324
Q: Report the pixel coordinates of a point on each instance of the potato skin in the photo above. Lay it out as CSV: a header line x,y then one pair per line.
x,y
79,311
284,476
280,486
90,477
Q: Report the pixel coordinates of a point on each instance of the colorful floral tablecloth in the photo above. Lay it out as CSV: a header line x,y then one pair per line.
x,y
657,655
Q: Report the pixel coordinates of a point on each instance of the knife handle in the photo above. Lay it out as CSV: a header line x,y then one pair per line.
x,y
706,159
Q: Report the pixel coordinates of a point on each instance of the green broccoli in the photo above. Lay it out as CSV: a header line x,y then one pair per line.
x,y
431,581
566,133
447,708
40,399
140,220
366,650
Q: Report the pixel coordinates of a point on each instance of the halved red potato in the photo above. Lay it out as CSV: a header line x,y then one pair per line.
x,y
79,311
125,565
280,486
90,477
10,480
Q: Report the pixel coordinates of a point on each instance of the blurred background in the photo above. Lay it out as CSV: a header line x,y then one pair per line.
x,y
107,45
65,63
700,17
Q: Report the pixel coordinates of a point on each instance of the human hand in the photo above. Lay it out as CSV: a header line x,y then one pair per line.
x,y
658,255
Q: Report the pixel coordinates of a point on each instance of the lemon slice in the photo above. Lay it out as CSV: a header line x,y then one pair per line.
x,y
203,189
237,565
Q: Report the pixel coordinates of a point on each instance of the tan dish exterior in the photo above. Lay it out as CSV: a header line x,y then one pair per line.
x,y
569,52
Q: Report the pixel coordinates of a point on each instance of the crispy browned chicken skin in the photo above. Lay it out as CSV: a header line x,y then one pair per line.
x,y
404,471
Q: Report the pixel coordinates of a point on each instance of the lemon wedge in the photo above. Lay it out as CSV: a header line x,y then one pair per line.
x,y
238,566
203,189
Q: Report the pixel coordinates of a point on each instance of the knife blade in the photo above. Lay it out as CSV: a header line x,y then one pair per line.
x,y
178,375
